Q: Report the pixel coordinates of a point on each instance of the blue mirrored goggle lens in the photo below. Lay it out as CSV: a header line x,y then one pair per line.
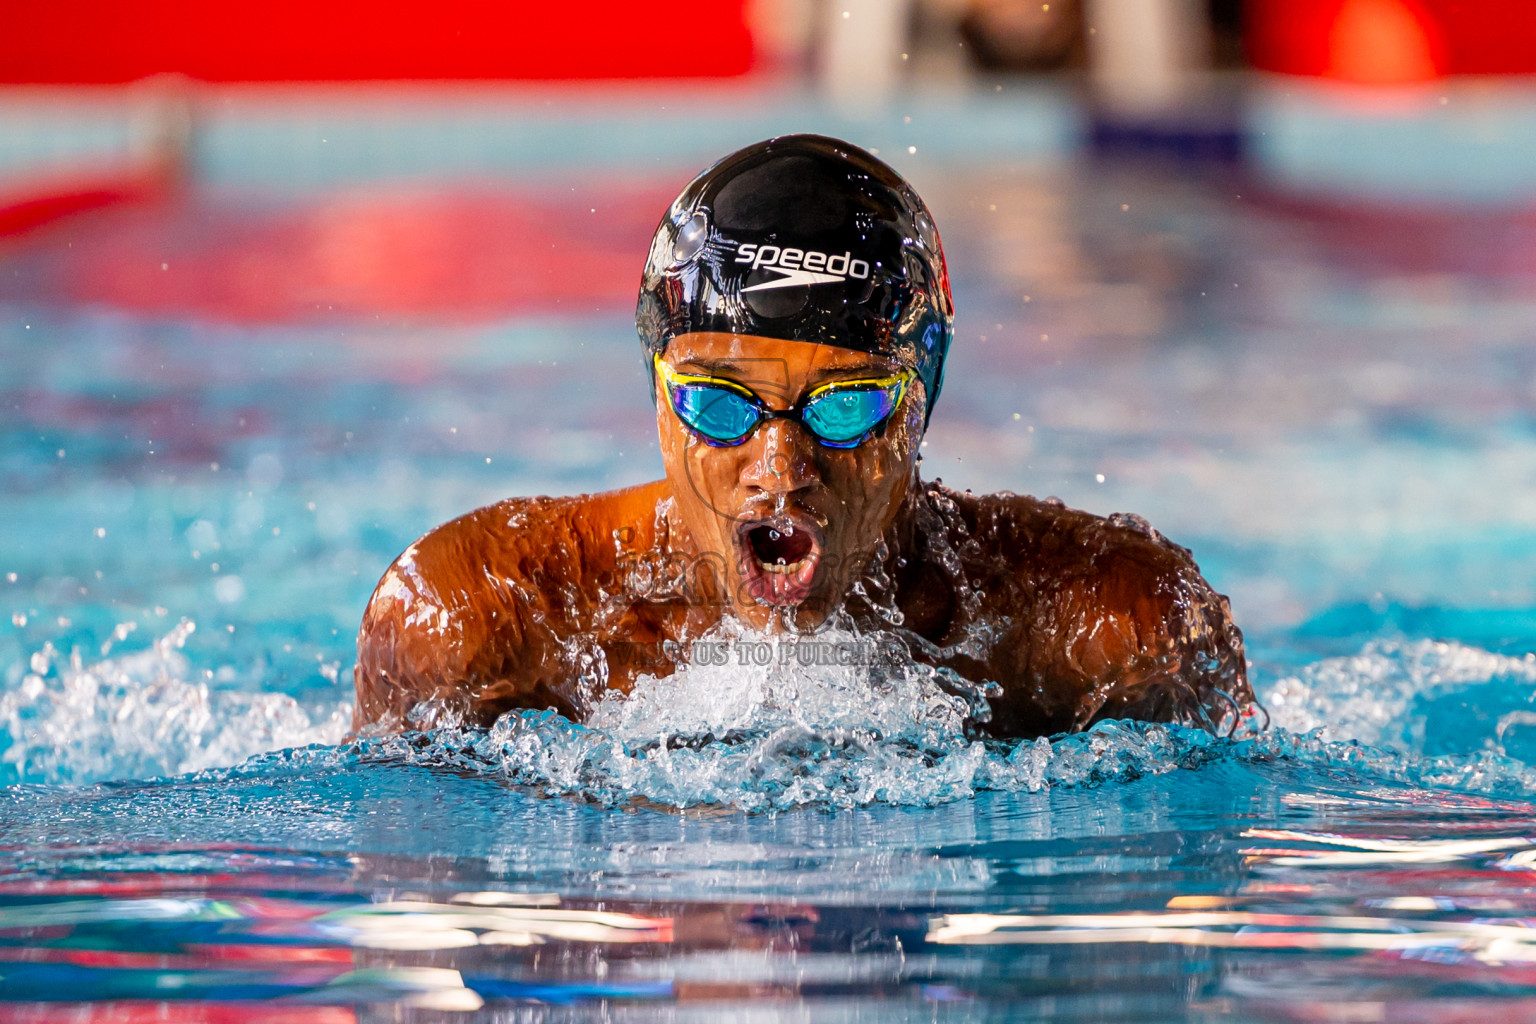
x,y
844,417
718,414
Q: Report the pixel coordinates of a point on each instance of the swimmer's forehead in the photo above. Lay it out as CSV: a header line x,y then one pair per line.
x,y
720,353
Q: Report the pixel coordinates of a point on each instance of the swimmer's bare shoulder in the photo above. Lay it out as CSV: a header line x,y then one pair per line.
x,y
1110,619
472,618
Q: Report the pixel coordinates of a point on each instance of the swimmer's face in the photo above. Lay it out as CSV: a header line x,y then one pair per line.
x,y
789,521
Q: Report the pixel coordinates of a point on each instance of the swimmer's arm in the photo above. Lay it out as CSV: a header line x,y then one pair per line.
x,y
1147,637
444,638
410,651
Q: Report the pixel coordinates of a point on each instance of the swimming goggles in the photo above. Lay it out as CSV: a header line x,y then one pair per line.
x,y
841,414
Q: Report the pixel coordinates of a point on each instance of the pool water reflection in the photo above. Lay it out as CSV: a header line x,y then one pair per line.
x,y
1260,889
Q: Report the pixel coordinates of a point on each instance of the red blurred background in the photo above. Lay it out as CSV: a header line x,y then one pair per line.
x,y
112,41
1392,41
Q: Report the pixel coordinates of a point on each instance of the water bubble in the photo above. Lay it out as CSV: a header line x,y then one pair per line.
x,y
202,535
18,619
229,589
265,471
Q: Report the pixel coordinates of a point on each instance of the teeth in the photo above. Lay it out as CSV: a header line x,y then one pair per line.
x,y
781,567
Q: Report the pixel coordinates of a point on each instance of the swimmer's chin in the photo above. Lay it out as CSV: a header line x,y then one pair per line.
x,y
778,560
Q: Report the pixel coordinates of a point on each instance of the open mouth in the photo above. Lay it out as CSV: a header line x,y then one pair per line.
x,y
779,548
779,559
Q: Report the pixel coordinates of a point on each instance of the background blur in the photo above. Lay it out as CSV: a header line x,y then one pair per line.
x,y
283,285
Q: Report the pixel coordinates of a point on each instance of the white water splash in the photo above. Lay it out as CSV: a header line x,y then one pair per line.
x,y
766,738
142,715
791,733
879,693
774,736
1380,696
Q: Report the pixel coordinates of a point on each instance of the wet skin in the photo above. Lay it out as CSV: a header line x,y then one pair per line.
x,y
547,602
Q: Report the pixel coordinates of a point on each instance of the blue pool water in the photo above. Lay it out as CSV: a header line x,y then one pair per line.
x,y
1333,409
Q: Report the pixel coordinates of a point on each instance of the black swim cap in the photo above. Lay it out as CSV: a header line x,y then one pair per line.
x,y
803,238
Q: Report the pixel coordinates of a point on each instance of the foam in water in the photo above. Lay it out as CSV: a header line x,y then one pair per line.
x,y
796,730
141,715
773,737
1384,695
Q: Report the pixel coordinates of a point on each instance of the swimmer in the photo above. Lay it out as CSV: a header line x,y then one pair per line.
x,y
795,315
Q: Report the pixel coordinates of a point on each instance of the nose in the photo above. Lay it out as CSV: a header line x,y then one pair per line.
x,y
783,459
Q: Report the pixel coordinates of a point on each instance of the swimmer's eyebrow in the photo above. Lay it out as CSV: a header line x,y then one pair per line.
x,y
741,369
703,365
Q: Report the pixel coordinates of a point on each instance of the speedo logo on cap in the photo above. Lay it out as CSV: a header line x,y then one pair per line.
x,y
799,266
